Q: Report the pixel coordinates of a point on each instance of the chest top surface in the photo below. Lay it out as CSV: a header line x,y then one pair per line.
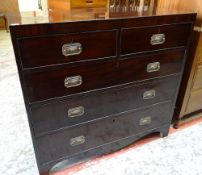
x,y
103,10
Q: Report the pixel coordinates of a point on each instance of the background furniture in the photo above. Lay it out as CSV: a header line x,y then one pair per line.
x,y
190,97
10,10
2,16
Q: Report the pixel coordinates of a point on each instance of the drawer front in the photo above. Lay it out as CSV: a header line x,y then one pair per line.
x,y
93,134
153,38
150,66
198,78
70,80
88,3
83,108
42,51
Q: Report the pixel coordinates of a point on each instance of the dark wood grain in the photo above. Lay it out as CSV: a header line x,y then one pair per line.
x,y
69,161
93,25
57,145
111,85
50,84
134,69
47,50
54,116
138,39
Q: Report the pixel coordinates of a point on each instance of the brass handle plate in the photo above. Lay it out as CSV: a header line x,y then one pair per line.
x,y
76,112
77,140
149,94
145,121
153,67
158,39
71,49
73,81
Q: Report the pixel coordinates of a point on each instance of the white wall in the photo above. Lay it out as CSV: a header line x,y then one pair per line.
x,y
28,5
44,4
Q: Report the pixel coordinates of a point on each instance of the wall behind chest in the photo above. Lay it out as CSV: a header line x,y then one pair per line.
x,y
11,9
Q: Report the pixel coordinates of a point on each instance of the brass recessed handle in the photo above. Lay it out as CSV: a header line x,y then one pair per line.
x,y
145,121
73,81
153,67
149,94
158,39
77,140
71,49
76,112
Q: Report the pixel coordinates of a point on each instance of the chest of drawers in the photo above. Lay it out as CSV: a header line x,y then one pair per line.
x,y
93,87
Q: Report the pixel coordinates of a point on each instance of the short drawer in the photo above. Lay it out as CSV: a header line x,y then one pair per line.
x,y
70,80
141,39
59,49
150,66
97,133
83,108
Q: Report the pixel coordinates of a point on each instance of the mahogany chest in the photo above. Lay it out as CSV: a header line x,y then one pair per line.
x,y
94,86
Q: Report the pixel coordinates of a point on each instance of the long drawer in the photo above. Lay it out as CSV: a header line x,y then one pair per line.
x,y
87,107
88,3
141,39
75,79
97,133
59,49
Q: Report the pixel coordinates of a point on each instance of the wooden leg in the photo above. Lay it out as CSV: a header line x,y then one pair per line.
x,y
164,131
6,23
176,125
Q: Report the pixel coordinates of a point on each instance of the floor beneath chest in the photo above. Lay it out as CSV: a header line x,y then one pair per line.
x,y
178,154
